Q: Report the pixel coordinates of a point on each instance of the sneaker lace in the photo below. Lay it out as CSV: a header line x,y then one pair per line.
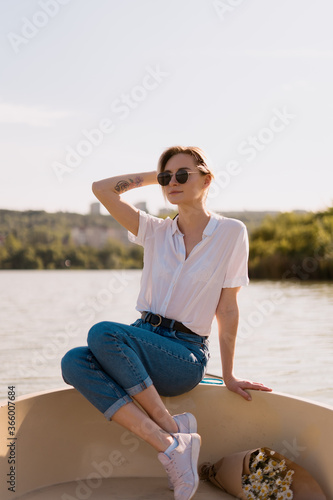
x,y
174,474
172,470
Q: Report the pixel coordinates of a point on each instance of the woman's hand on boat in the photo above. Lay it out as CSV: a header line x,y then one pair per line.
x,y
239,386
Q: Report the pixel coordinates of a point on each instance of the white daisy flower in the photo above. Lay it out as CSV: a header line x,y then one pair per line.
x,y
258,474
282,465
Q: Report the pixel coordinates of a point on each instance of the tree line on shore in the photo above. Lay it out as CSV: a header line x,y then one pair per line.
x,y
286,246
293,246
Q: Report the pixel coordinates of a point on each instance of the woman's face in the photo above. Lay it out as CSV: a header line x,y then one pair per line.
x,y
193,190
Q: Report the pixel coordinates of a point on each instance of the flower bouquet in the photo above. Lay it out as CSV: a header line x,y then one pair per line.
x,y
262,474
268,478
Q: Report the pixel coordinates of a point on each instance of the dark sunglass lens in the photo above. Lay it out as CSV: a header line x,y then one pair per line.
x,y
163,178
181,176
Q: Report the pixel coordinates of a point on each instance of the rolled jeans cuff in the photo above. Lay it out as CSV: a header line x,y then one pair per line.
x,y
127,399
116,406
132,391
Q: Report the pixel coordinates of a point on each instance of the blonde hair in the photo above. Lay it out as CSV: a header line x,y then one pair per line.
x,y
197,154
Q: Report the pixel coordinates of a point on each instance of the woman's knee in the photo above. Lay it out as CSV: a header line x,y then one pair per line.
x,y
71,361
100,334
96,335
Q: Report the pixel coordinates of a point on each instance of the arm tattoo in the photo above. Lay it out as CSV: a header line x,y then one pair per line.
x,y
122,186
125,185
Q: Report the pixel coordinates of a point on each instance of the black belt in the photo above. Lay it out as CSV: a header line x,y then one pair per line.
x,y
158,320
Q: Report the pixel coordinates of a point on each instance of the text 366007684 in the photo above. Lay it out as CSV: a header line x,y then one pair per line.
x,y
11,475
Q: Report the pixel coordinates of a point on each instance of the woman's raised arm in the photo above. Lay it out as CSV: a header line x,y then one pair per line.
x,y
108,192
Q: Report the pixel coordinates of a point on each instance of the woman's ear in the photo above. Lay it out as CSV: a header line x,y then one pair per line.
x,y
208,180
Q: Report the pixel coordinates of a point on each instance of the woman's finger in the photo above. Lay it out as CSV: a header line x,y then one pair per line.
x,y
257,386
262,387
243,393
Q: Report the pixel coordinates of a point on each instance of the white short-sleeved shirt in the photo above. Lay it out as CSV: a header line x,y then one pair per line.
x,y
188,290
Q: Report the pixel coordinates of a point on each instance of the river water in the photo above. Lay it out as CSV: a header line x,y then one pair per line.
x,y
285,337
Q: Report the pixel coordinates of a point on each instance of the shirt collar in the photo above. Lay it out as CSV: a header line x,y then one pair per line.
x,y
208,231
211,226
174,226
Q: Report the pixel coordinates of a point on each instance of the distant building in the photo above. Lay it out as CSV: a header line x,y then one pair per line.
x,y
97,236
142,205
95,208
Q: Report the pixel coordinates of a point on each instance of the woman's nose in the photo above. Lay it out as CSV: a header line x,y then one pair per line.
x,y
173,179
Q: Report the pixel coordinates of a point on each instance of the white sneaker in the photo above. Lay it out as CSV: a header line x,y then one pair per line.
x,y
186,423
182,466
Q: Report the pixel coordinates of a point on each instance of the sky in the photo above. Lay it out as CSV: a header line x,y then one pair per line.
x,y
95,88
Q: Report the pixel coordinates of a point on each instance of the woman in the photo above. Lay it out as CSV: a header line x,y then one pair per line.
x,y
194,267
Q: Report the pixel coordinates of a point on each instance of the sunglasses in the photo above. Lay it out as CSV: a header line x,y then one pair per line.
x,y
164,178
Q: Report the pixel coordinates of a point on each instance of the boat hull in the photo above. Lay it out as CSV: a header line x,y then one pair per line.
x,y
66,447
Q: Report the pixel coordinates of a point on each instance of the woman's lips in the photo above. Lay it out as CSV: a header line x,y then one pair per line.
x,y
174,192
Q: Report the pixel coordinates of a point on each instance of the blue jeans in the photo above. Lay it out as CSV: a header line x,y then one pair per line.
x,y
123,360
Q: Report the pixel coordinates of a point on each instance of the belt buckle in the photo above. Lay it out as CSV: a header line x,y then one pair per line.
x,y
160,320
